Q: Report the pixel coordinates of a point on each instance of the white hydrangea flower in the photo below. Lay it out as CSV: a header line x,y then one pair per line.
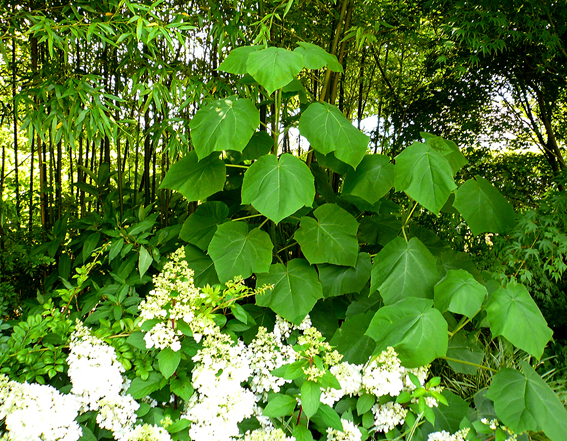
x,y
117,414
266,353
283,328
383,375
163,336
349,433
350,378
147,432
387,416
94,370
461,435
38,412
267,435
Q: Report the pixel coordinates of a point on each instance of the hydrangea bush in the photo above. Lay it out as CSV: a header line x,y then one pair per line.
x,y
210,381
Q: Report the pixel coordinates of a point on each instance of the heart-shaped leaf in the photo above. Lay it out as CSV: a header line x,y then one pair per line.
x,y
274,67
315,57
460,293
372,179
236,61
200,227
278,188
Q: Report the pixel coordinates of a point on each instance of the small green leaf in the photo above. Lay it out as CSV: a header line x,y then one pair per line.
x,y
238,252
279,406
512,313
295,292
274,67
328,130
310,397
142,388
330,417
225,124
194,179
115,248
425,175
483,207
278,188
365,403
168,360
202,265
404,269
372,179
144,260
330,237
315,57
460,293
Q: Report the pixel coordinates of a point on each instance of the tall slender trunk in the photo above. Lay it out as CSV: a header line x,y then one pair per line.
x,y
15,128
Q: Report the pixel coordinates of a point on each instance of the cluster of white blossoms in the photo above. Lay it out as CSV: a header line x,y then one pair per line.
x,y
174,297
349,377
349,433
267,435
219,402
388,415
38,412
265,353
495,424
461,435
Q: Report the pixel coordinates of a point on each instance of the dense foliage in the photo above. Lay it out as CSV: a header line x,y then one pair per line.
x,y
212,239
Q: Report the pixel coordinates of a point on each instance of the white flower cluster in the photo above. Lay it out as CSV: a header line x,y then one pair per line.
x,y
147,432
219,402
461,435
174,297
495,424
267,435
38,412
388,415
349,433
266,353
349,377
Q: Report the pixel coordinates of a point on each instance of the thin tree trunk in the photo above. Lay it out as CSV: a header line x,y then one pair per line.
x,y
14,93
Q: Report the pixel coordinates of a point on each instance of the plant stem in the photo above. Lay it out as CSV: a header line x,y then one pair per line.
x,y
468,363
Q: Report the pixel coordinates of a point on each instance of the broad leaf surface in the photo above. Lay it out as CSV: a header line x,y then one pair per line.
x,y
460,293
523,401
372,179
330,237
168,361
338,280
280,405
379,229
295,292
238,252
449,417
512,313
236,61
310,397
483,207
225,124
144,261
448,149
413,328
202,265
425,175
463,347
404,269
328,130
315,57
200,227
274,67
278,188
260,144
194,179
350,339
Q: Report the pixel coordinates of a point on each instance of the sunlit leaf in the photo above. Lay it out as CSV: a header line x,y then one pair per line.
x,y
274,67
372,179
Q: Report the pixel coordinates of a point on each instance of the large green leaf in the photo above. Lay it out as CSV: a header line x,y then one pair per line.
x,y
194,179
425,175
315,57
350,340
512,313
404,269
200,227
295,292
483,207
236,61
278,188
523,401
460,293
330,237
259,145
225,124
448,149
238,252
310,397
463,354
274,67
328,130
413,328
338,280
379,229
202,265
372,179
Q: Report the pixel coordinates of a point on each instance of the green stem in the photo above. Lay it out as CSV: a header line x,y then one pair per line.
x,y
247,217
470,364
237,166
285,248
464,321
